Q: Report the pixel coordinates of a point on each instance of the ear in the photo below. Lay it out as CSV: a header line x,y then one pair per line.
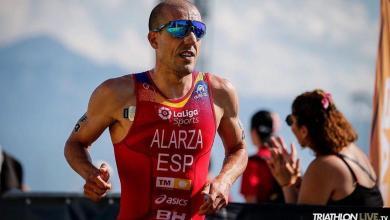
x,y
304,131
152,37
304,134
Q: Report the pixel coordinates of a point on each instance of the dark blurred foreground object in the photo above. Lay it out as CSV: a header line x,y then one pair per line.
x,y
72,206
11,173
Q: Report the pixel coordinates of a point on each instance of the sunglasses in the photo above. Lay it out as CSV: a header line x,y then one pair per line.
x,y
289,120
180,28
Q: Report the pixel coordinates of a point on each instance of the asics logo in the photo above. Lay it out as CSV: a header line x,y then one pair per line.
x,y
170,200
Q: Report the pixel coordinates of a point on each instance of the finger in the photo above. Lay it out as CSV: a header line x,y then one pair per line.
x,y
221,205
281,142
94,188
101,183
213,200
298,166
221,202
271,165
104,171
206,189
104,185
290,168
269,161
204,208
103,165
213,195
274,158
275,143
207,200
216,203
283,147
98,180
275,155
92,195
109,186
293,151
280,158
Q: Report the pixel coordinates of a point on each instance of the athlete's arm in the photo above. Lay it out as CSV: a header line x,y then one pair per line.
x,y
90,126
232,134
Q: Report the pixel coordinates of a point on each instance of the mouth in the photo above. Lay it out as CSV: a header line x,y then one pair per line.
x,y
187,54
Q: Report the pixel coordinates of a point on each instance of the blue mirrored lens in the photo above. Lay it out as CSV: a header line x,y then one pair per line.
x,y
199,29
180,28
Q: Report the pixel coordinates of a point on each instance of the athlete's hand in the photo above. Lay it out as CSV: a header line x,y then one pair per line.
x,y
96,185
216,195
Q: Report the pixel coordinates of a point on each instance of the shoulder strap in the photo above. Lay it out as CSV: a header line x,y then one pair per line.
x,y
343,157
141,77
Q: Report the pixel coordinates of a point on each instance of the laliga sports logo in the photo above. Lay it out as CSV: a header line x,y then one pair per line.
x,y
164,113
184,117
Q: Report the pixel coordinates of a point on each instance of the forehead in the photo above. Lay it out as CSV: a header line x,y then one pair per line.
x,y
185,13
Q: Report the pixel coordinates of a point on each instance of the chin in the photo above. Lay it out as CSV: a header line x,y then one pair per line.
x,y
185,70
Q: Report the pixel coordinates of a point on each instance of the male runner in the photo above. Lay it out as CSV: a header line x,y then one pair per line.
x,y
162,123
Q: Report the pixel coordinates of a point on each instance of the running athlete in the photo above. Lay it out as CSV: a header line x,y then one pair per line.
x,y
162,124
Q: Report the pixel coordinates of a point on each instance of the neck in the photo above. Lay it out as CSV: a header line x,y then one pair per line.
x,y
172,84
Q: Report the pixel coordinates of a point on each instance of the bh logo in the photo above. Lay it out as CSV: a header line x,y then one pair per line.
x,y
164,113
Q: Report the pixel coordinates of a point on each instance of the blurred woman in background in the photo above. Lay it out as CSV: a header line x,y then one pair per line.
x,y
340,174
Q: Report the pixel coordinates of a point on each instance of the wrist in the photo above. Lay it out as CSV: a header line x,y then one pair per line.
x,y
293,182
90,171
224,180
287,185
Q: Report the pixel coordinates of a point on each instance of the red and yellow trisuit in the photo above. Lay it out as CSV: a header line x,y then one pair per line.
x,y
163,161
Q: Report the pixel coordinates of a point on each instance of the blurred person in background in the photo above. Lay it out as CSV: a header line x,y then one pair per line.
x,y
258,184
11,173
162,124
340,174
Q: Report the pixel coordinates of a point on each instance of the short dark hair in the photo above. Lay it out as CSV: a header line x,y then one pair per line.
x,y
263,124
329,131
157,13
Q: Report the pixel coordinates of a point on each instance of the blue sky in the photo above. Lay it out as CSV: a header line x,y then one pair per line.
x,y
268,49
272,42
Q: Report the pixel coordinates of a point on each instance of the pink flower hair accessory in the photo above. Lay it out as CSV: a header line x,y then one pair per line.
x,y
326,100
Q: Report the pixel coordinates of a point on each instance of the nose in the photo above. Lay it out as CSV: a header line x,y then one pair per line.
x,y
190,38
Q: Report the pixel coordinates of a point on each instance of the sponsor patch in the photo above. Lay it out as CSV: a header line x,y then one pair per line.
x,y
201,91
173,183
129,113
170,200
164,113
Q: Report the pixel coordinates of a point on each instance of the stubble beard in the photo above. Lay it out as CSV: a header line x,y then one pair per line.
x,y
184,70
